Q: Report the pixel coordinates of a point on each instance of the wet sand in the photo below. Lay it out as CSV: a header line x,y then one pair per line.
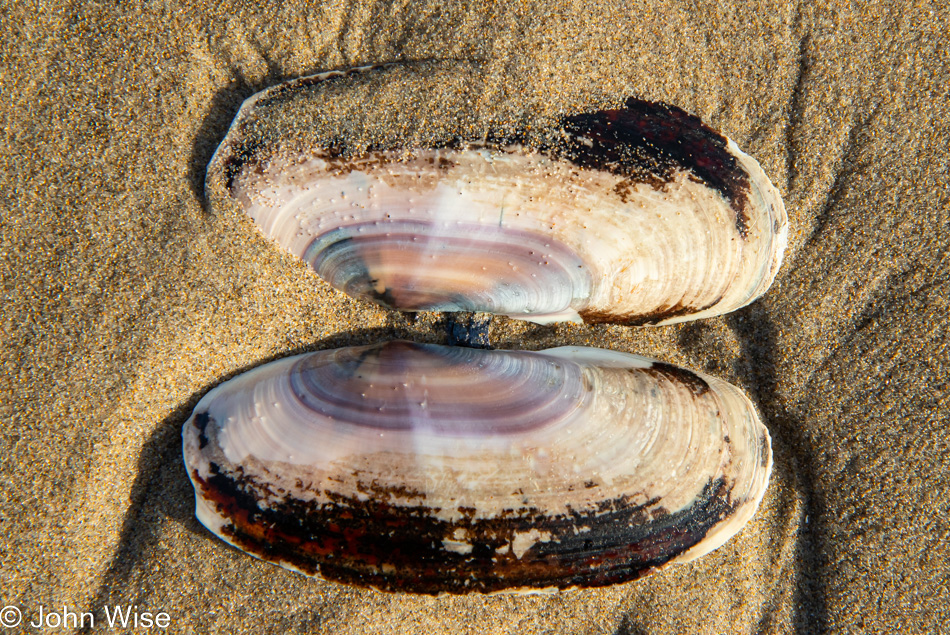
x,y
127,297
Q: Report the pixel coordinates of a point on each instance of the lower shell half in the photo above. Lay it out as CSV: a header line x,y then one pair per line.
x,y
432,469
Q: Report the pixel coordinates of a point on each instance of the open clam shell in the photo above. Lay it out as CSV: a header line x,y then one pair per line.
x,y
434,469
634,215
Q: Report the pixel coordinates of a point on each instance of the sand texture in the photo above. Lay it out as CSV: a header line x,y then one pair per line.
x,y
127,296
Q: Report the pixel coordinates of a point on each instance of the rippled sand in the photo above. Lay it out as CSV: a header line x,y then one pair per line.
x,y
125,299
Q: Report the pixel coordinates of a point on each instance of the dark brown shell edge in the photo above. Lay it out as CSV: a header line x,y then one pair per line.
x,y
394,547
648,142
644,319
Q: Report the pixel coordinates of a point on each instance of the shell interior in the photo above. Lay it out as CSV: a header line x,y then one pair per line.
x,y
635,215
435,469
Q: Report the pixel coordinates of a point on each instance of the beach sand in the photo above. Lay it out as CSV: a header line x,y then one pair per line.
x,y
126,297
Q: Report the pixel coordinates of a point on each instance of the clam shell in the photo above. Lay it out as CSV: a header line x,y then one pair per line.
x,y
635,215
433,469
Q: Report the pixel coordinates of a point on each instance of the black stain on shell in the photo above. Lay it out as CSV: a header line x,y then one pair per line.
x,y
640,319
648,142
405,548
396,492
341,161
696,384
645,319
240,158
201,423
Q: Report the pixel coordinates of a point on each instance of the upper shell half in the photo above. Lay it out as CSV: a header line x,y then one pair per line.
x,y
448,470
636,215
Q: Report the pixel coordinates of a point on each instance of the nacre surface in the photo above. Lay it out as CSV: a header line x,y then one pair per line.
x,y
636,215
432,469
